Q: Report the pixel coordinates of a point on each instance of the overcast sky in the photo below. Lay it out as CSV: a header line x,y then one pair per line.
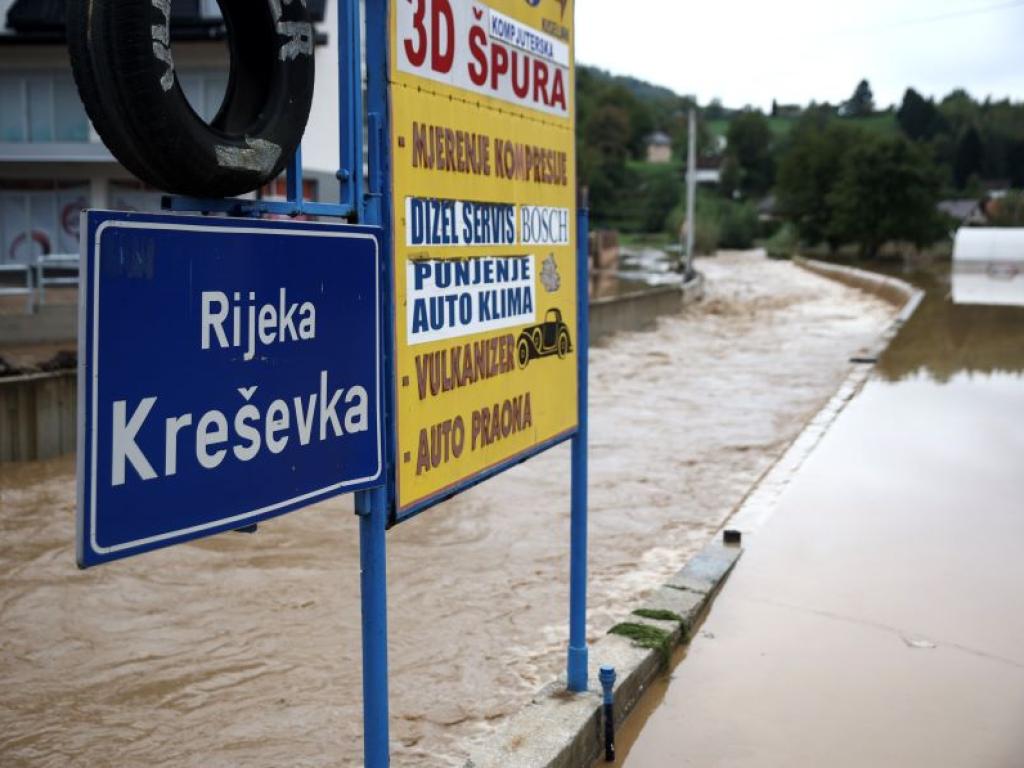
x,y
749,51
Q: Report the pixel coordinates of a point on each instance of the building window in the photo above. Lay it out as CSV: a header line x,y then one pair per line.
x,y
41,107
40,219
134,196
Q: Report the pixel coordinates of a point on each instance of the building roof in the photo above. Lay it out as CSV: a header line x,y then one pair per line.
x,y
962,210
43,20
659,139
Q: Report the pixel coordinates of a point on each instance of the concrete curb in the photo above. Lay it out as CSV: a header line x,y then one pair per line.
x,y
562,730
898,292
558,729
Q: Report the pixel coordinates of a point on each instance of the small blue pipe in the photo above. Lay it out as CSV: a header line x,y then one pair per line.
x,y
242,207
578,661
294,180
607,677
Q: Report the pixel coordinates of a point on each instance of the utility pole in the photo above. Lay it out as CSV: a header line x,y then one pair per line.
x,y
691,193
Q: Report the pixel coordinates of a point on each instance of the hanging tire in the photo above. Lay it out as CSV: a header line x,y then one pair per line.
x,y
124,67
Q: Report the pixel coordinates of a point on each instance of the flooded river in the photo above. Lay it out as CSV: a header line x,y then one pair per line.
x,y
874,619
244,650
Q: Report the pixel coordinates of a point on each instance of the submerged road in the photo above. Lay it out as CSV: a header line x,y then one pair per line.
x,y
875,620
244,650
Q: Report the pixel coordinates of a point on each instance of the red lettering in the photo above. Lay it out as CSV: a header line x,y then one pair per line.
x,y
522,90
477,49
499,64
540,81
558,91
441,59
418,54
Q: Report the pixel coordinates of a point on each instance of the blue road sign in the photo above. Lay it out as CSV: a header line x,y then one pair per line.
x,y
229,372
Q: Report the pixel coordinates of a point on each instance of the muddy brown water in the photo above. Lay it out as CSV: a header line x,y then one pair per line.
x,y
245,650
875,619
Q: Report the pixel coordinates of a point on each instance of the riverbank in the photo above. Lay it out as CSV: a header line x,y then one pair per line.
x,y
250,645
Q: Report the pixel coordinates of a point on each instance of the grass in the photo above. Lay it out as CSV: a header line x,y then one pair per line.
x,y
646,636
652,239
645,168
658,615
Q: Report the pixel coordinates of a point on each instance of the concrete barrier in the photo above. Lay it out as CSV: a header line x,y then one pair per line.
x,y
640,310
50,323
38,416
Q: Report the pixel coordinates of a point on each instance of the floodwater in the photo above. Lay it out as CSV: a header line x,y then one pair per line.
x,y
875,619
245,650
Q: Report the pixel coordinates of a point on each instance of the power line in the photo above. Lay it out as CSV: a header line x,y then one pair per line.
x,y
944,16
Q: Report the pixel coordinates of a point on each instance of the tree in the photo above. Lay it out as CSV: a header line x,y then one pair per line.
x,y
809,171
750,143
887,191
918,117
729,176
1015,164
1007,211
968,158
661,193
603,158
714,110
960,111
862,103
679,131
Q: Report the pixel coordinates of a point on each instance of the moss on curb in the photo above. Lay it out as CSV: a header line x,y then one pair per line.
x,y
656,614
646,636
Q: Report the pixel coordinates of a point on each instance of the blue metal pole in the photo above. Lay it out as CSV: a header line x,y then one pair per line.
x,y
577,662
294,183
371,506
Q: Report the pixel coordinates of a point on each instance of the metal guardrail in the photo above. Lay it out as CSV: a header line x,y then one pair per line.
x,y
47,271
29,289
60,263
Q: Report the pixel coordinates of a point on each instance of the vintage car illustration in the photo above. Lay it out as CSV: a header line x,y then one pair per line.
x,y
548,338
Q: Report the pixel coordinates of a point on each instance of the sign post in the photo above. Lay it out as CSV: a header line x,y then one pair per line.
x,y
577,663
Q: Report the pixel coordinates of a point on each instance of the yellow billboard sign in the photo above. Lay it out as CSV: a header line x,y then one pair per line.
x,y
484,211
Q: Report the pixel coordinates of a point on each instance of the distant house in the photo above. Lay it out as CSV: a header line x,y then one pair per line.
x,y
966,213
709,170
659,148
786,110
768,208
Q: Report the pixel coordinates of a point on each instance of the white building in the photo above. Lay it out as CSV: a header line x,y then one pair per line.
x,y
53,164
